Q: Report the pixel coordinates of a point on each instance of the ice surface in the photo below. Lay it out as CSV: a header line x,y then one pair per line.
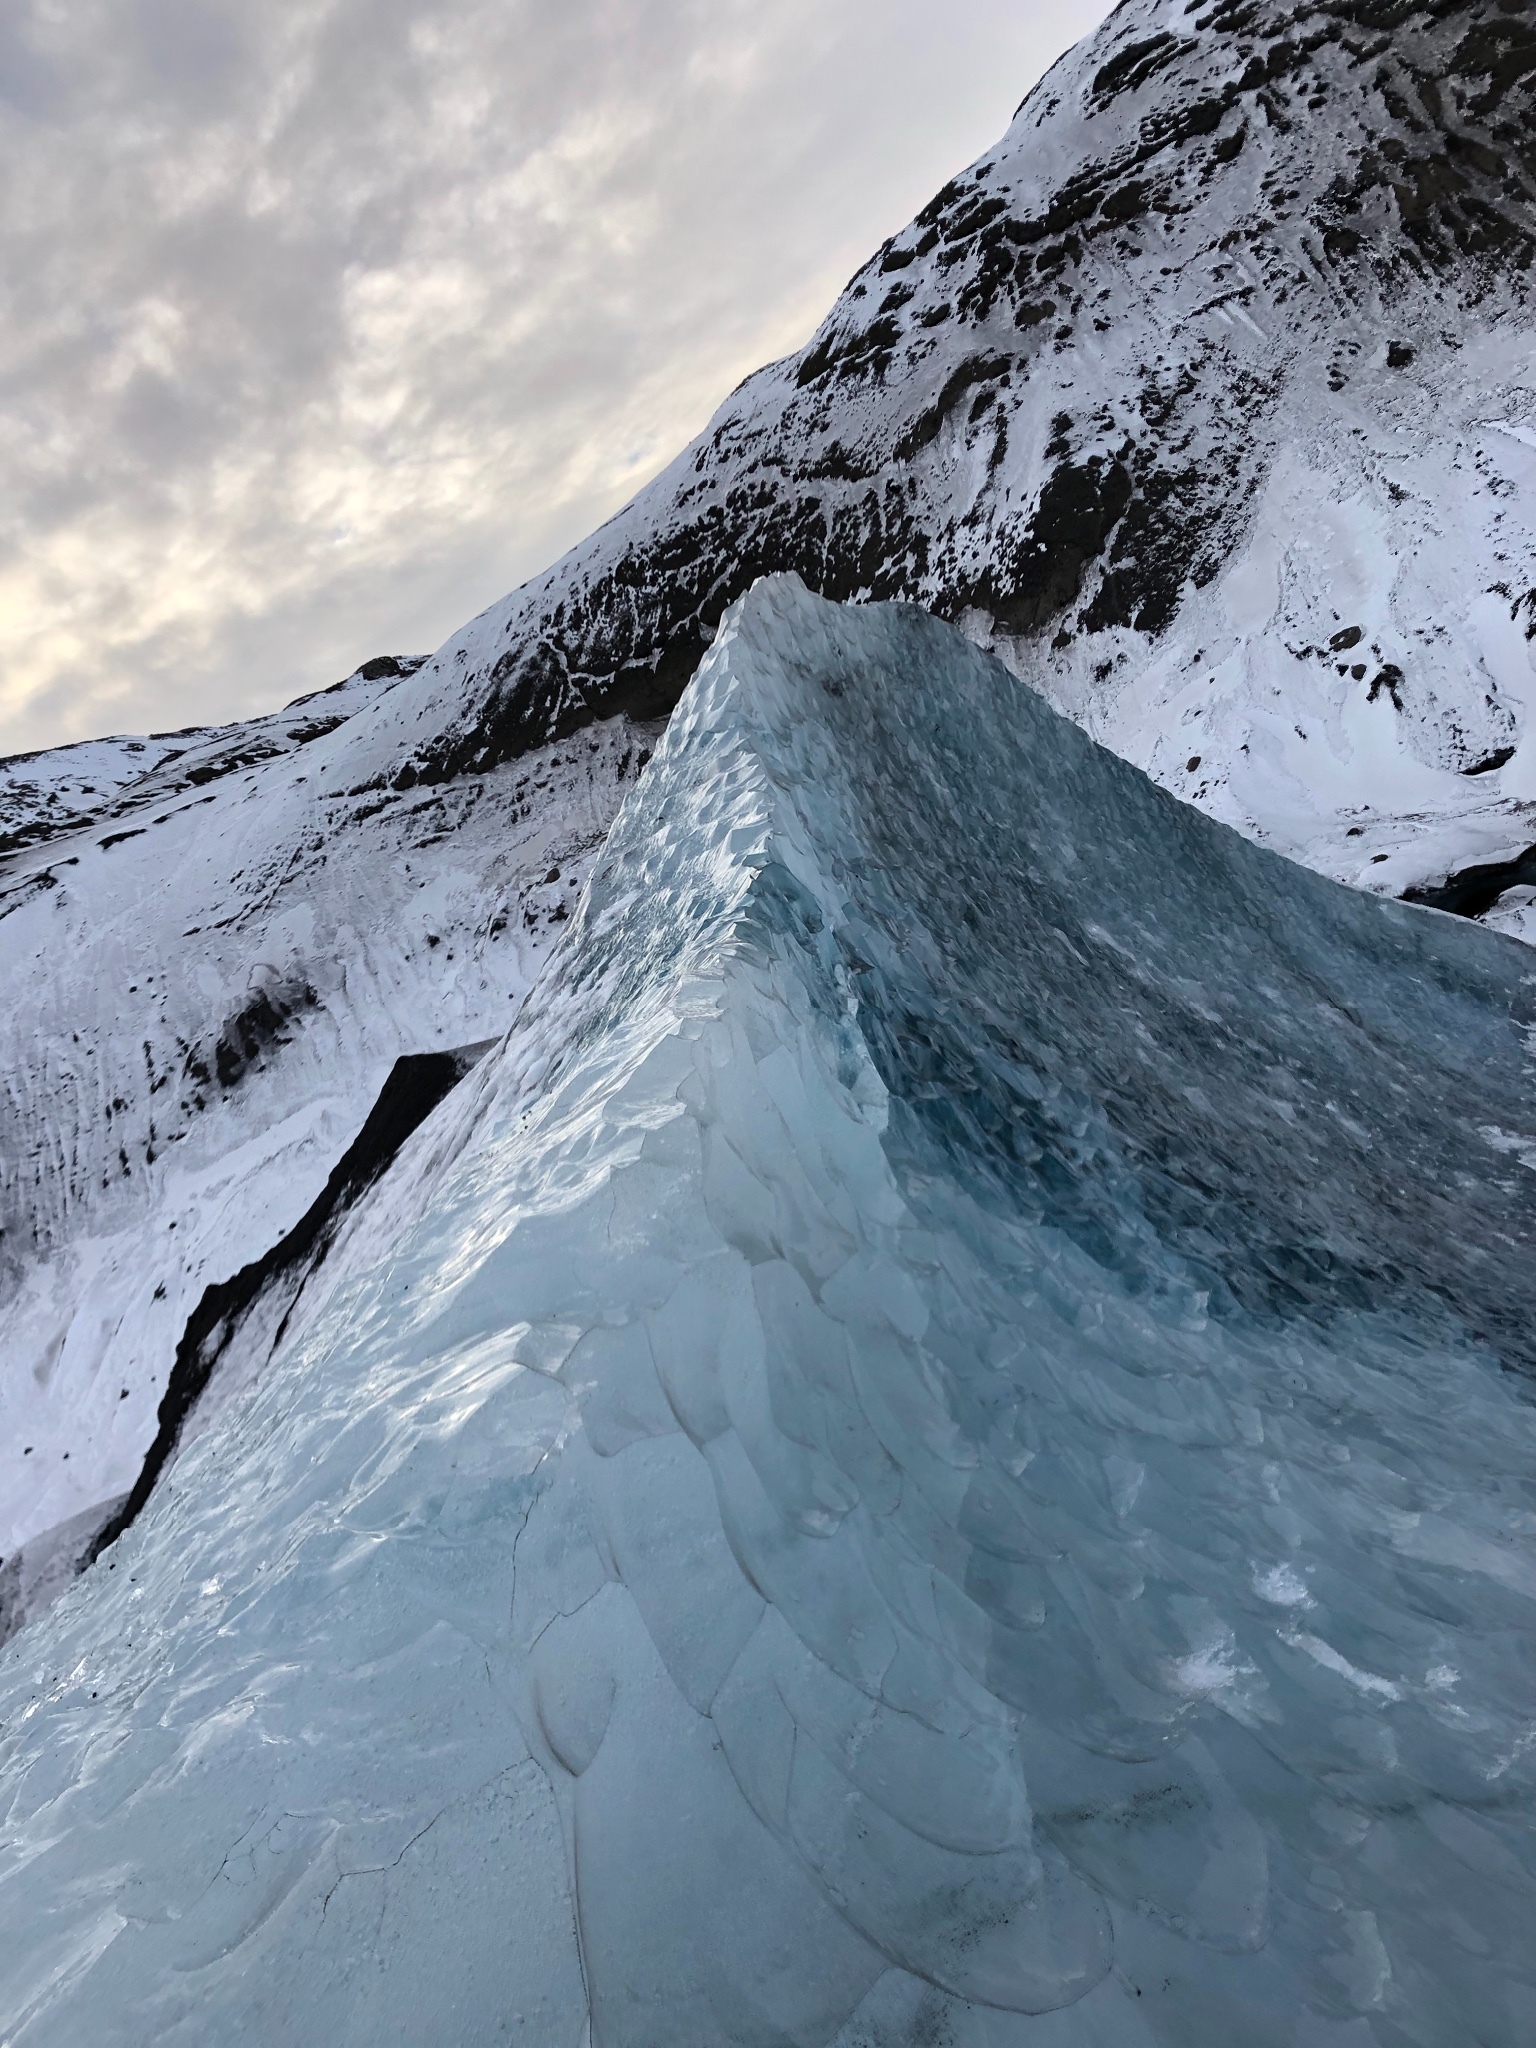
x,y
937,1451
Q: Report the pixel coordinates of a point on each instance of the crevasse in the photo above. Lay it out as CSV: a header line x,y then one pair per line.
x,y
931,1453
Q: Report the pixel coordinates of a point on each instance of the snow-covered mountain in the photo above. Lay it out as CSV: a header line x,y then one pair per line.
x,y
1208,399
206,988
1207,403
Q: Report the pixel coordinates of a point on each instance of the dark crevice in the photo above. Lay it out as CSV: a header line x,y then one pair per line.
x,y
417,1083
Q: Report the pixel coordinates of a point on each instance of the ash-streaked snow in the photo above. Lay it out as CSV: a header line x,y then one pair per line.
x,y
932,1451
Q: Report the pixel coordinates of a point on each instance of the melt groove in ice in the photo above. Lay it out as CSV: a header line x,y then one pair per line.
x,y
931,1454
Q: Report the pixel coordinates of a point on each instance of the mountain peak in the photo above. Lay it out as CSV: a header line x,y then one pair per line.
x,y
1227,265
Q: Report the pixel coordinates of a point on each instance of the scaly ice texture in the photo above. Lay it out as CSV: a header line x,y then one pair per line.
x,y
932,1453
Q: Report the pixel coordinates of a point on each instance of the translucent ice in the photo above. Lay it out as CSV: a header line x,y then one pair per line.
x,y
934,1452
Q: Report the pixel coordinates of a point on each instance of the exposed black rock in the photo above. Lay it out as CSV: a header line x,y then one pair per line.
x,y
255,1028
416,1085
1321,163
1469,892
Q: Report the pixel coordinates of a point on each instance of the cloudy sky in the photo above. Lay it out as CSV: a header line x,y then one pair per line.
x,y
326,322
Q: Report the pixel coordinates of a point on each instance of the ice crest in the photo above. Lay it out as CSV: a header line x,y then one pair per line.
x,y
802,1535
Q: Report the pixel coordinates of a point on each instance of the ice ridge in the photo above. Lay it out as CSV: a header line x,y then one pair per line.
x,y
931,1453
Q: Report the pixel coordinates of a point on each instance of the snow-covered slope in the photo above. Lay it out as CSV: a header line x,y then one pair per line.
x,y
99,782
1208,398
205,987
930,1453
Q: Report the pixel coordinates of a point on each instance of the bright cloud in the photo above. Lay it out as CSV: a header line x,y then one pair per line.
x,y
326,322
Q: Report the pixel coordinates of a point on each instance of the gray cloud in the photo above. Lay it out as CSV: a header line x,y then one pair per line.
x,y
326,322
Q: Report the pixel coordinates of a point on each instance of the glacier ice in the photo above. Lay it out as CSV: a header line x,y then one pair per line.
x,y
936,1450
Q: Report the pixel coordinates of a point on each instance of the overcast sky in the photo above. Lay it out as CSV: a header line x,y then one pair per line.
x,y
326,322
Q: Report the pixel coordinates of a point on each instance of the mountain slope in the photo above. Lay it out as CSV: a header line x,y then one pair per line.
x,y
1207,398
205,991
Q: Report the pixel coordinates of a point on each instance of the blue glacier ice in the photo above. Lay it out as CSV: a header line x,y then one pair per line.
x,y
937,1450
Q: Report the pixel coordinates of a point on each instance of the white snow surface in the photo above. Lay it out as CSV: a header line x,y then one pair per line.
x,y
205,989
931,1452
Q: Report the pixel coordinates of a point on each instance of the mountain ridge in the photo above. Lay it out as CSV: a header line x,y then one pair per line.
x,y
942,373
